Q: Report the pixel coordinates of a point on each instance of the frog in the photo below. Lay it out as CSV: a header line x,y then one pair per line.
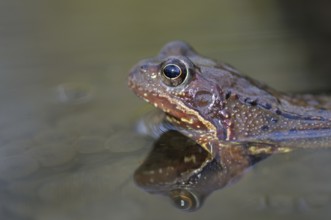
x,y
217,106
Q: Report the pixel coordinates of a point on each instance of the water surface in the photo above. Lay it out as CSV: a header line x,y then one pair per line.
x,y
68,145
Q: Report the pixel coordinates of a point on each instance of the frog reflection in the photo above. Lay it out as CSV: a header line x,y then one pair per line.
x,y
176,168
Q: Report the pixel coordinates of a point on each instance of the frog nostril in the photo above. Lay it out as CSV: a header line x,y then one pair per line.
x,y
143,68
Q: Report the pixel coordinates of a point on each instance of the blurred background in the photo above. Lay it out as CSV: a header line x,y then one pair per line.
x,y
67,144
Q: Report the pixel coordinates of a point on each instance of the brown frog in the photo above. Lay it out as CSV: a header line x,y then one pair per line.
x,y
217,106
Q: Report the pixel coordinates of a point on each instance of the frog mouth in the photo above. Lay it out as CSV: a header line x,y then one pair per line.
x,y
179,114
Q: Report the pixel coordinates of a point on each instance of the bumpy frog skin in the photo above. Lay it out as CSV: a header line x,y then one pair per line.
x,y
215,105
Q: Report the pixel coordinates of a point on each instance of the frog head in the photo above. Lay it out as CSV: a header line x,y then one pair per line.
x,y
181,83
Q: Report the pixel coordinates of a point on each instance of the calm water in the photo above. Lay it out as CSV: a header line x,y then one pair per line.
x,y
68,148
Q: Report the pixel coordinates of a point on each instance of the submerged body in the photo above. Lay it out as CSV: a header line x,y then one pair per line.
x,y
217,106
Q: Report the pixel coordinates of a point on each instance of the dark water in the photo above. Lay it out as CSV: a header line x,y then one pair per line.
x,y
68,148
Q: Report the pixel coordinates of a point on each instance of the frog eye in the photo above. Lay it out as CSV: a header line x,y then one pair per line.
x,y
185,200
174,73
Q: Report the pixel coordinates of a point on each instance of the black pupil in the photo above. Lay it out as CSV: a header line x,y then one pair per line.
x,y
172,71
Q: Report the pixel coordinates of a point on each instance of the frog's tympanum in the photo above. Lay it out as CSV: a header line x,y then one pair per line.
x,y
214,104
173,169
230,116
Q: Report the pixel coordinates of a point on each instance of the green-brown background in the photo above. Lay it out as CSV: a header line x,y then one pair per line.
x,y
67,144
